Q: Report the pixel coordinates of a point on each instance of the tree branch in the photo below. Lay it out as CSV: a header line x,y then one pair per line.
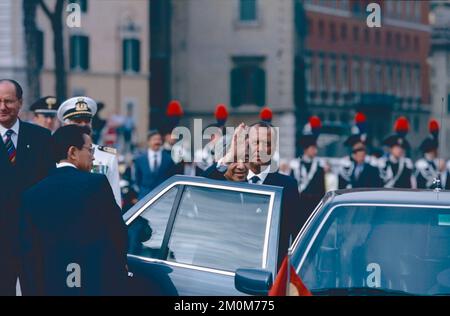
x,y
46,9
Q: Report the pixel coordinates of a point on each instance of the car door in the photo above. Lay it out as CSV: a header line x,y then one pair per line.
x,y
190,238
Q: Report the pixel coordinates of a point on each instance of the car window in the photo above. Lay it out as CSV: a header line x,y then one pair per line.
x,y
146,232
400,249
219,229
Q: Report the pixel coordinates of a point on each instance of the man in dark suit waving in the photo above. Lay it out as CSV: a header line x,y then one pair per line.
x,y
262,143
74,241
24,160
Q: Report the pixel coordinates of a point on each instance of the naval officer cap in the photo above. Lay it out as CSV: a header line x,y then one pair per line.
x,y
77,108
46,105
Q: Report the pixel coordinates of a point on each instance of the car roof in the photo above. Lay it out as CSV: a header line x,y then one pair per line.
x,y
390,196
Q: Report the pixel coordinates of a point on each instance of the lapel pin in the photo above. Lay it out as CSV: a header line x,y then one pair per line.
x,y
28,146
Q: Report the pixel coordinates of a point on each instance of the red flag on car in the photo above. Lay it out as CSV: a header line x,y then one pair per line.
x,y
295,286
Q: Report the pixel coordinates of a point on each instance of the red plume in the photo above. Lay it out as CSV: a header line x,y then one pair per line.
x,y
401,125
266,114
315,122
174,109
360,118
433,126
221,113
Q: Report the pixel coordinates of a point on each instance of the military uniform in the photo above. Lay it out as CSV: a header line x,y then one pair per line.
x,y
397,172
351,174
45,110
105,158
308,171
428,171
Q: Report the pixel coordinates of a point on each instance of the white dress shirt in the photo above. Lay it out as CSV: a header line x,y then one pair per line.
x,y
151,158
262,175
14,136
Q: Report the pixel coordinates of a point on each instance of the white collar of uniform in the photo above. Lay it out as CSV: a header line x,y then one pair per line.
x,y
65,164
14,128
262,175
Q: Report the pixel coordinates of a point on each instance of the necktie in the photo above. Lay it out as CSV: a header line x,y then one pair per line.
x,y
255,179
10,148
155,163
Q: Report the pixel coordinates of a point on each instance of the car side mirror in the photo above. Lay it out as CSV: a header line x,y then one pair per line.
x,y
253,281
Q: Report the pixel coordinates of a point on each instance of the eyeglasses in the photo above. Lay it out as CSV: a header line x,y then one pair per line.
x,y
8,102
90,149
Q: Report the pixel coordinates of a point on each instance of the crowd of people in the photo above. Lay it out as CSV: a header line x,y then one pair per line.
x,y
63,194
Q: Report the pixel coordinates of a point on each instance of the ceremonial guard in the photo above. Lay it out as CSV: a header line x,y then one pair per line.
x,y
307,169
44,111
396,170
355,170
174,113
205,157
430,170
80,110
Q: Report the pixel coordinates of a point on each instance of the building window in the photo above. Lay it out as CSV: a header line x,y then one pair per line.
x,y
332,74
366,76
378,78
333,36
79,52
344,74
39,49
399,80
416,124
389,7
356,78
366,36
416,43
377,38
309,73
321,29
355,33
83,4
356,8
131,55
310,27
321,74
344,32
417,8
247,10
398,7
417,81
389,77
407,41
410,82
398,41
248,82
388,39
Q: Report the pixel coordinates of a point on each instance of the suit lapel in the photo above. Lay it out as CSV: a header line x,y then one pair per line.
x,y
23,145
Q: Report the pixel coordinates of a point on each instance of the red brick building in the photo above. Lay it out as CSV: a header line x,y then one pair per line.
x,y
380,71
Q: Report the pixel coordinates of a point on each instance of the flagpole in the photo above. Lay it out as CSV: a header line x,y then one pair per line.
x,y
288,261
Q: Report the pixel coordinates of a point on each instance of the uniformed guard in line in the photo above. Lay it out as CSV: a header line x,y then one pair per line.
x,y
397,170
174,113
307,169
355,170
430,170
205,157
80,110
44,111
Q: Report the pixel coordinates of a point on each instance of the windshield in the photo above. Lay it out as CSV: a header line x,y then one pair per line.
x,y
388,248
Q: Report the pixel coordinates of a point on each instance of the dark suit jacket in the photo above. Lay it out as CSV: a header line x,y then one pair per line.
x,y
72,217
292,217
147,180
33,163
369,178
